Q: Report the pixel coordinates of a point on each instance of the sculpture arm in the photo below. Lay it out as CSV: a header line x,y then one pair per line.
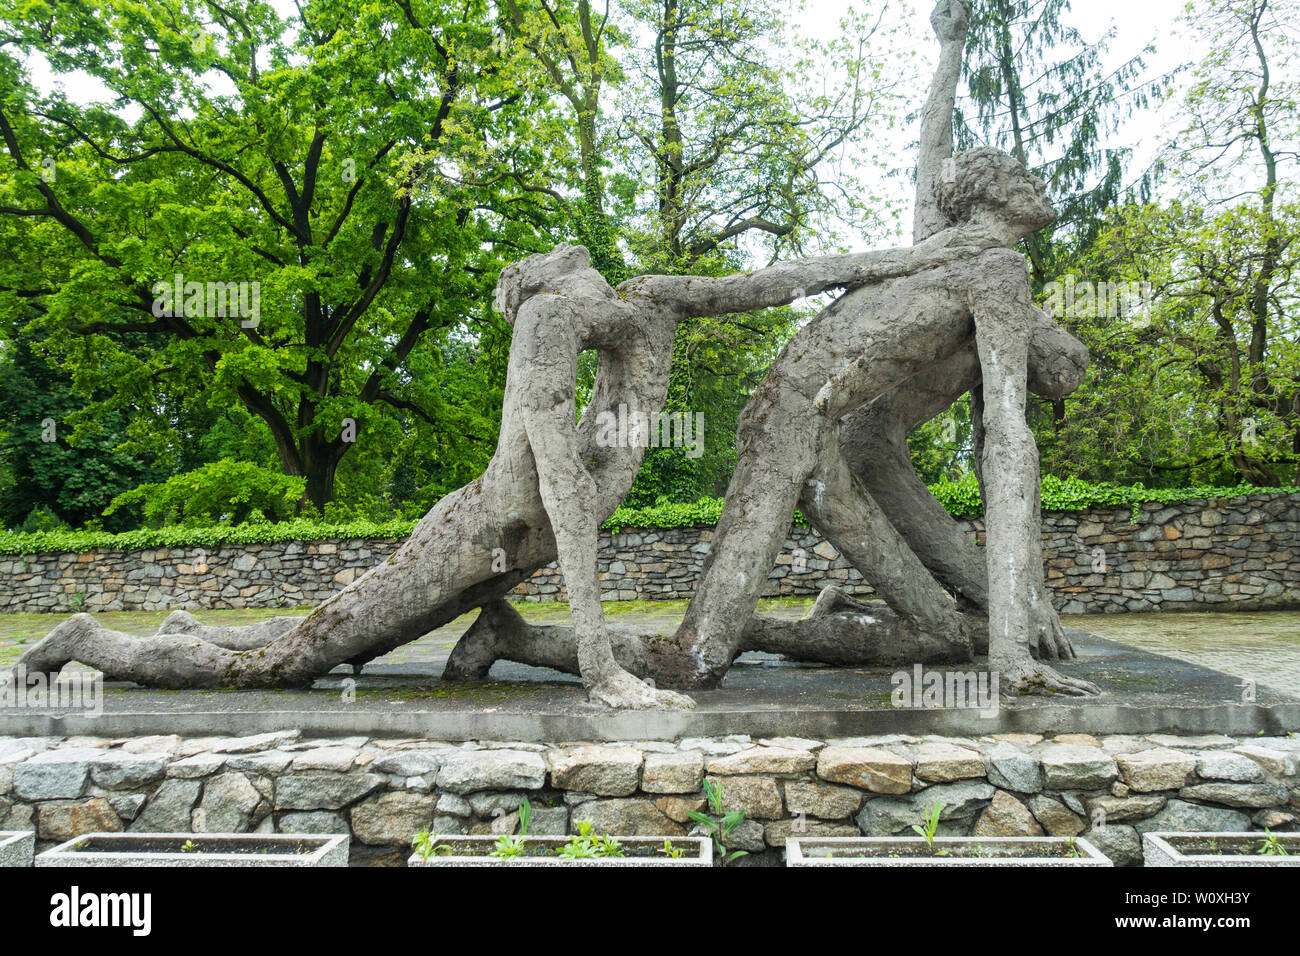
x,y
950,20
787,282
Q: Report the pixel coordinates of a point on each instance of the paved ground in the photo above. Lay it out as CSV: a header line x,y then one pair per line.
x,y
1263,646
1164,691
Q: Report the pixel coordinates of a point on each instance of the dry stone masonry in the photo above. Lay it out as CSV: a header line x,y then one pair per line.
x,y
382,791
1197,554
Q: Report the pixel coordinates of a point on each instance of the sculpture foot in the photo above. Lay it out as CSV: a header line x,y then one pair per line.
x,y
625,692
1047,641
1040,680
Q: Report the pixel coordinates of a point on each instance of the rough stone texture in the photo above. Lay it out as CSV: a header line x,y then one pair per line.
x,y
758,797
407,763
549,821
763,760
168,809
1055,818
314,821
337,759
465,772
1159,769
1112,809
1007,816
59,820
229,804
1223,765
121,770
1180,816
1076,767
1011,768
1251,795
1123,844
392,818
322,790
54,774
961,803
628,817
943,763
679,808
199,765
1251,565
673,772
777,832
196,788
869,768
604,771
1279,762
824,800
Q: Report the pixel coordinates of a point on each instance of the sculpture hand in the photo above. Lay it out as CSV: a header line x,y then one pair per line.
x,y
950,20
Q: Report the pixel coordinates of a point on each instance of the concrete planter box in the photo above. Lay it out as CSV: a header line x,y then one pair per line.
x,y
1216,849
540,851
17,847
959,851
208,849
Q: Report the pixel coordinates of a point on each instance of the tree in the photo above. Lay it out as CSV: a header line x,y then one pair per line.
x,y
45,471
319,189
1205,387
1042,93
745,153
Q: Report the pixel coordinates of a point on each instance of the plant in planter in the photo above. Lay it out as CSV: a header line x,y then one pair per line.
x,y
718,825
17,847
929,826
1221,849
509,845
199,849
928,849
426,845
584,848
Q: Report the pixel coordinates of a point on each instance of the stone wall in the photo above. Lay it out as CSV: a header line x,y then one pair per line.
x,y
1243,552
383,791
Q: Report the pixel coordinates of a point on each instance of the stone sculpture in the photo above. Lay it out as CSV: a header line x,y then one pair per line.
x,y
919,327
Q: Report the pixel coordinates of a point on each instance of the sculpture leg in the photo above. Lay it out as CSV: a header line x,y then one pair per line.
x,y
778,438
443,570
873,441
838,631
568,493
1003,323
845,513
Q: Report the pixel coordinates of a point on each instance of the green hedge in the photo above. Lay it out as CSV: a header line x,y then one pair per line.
x,y
960,498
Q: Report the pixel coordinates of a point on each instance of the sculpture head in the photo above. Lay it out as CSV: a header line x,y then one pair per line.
x,y
1057,360
992,188
565,270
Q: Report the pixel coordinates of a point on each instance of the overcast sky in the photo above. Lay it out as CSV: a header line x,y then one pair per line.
x,y
1137,23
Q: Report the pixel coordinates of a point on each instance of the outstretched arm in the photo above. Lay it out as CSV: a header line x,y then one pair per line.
x,y
950,21
786,282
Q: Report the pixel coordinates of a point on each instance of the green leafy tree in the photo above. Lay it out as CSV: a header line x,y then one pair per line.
x,y
341,165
